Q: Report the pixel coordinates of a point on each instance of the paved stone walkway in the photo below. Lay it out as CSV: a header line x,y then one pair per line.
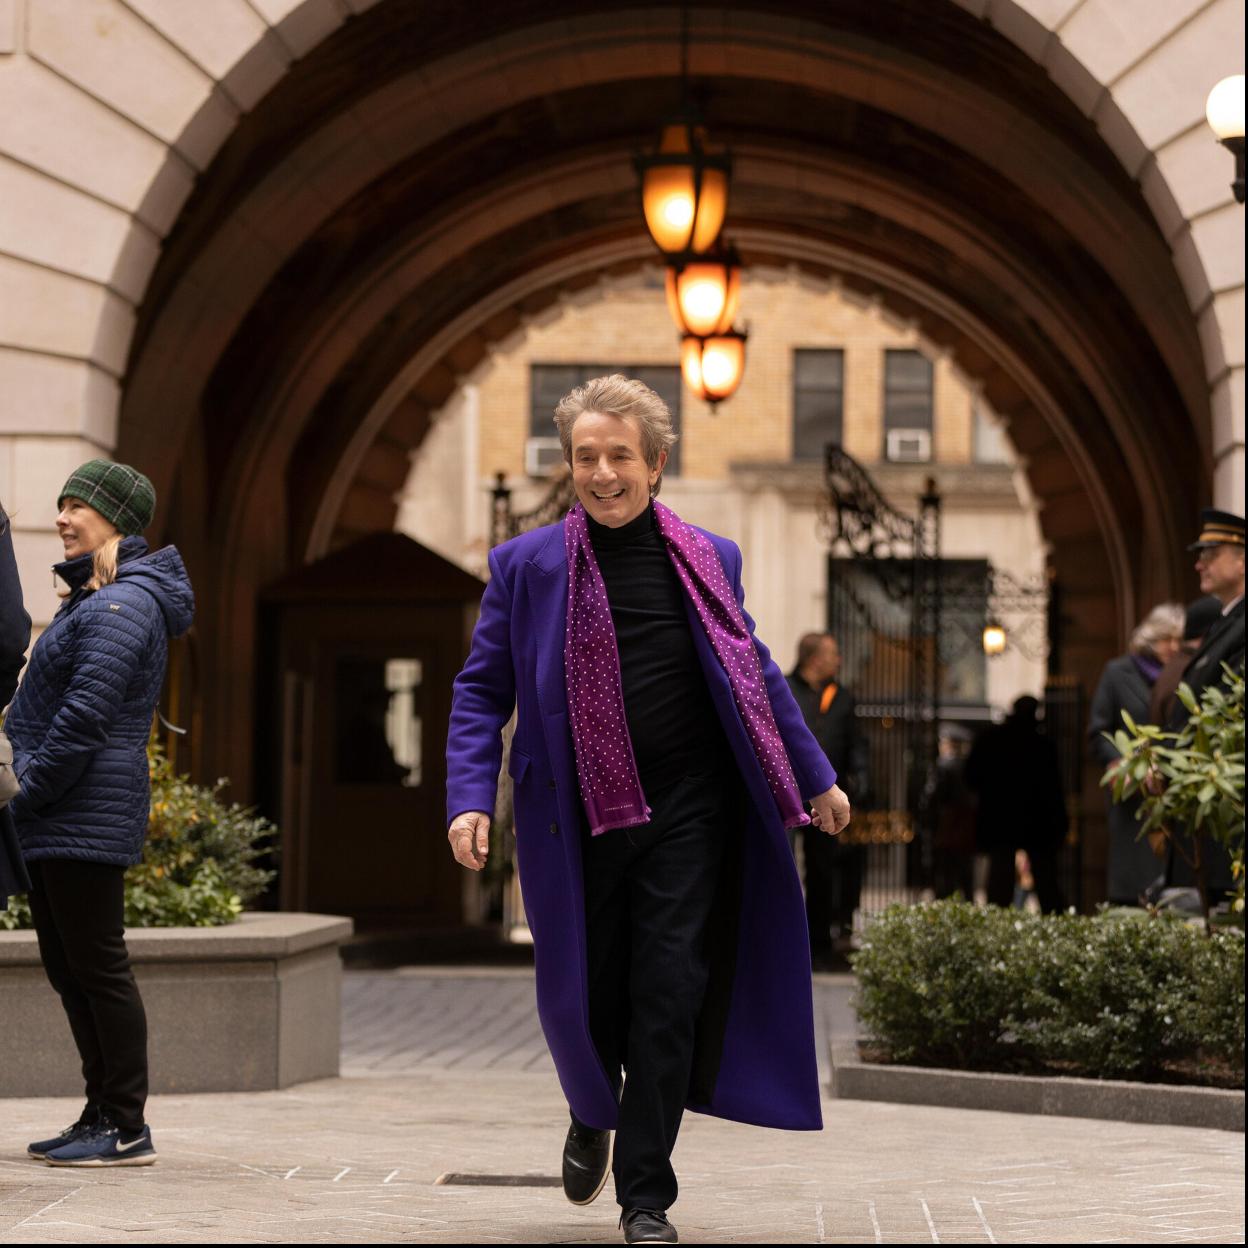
x,y
444,1074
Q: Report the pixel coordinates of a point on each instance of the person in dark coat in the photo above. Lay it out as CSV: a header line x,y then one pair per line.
x,y
1199,617
79,725
658,759
1220,565
1126,685
833,866
952,811
1219,554
1014,773
14,638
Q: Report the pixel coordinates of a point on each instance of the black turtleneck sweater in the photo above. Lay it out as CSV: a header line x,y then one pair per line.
x,y
672,722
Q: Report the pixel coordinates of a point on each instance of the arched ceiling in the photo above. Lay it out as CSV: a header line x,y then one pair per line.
x,y
411,191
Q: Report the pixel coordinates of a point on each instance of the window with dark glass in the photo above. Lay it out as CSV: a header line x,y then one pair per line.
x,y
907,406
548,383
818,401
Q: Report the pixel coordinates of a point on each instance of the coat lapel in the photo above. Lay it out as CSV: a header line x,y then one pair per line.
x,y
548,594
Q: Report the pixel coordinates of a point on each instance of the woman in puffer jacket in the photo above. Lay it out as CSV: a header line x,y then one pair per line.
x,y
14,638
79,727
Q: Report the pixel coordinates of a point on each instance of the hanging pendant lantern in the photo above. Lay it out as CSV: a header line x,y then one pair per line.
x,y
684,189
703,293
713,367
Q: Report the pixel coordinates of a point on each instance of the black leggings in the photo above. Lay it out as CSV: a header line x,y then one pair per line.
x,y
78,908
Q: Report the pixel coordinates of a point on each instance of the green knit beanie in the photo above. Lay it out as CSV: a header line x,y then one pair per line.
x,y
121,494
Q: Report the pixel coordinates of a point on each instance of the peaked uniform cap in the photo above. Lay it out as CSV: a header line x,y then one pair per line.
x,y
121,494
1219,528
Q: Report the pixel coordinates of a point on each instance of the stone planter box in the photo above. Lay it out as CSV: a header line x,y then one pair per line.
x,y
1118,1099
252,1006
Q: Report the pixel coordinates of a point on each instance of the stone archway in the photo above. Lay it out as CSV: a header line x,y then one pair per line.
x,y
138,101
343,256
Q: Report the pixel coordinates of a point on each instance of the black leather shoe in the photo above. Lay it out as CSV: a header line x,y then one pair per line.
x,y
586,1163
647,1226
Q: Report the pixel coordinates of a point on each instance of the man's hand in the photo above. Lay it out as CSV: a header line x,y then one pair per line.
x,y
469,835
830,811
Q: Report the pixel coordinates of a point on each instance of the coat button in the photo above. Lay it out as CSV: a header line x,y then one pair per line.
x,y
554,829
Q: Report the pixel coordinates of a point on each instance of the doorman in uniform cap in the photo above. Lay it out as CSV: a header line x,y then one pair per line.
x,y
1219,554
1220,565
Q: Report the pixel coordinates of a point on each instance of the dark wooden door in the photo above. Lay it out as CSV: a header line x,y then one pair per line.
x,y
366,707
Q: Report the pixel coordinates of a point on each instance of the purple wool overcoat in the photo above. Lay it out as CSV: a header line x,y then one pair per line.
x,y
767,1072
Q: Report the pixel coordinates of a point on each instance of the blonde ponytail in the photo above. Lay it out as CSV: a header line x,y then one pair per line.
x,y
104,563
103,566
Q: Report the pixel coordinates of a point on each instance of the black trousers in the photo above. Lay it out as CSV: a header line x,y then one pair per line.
x,y
833,885
78,909
1001,879
650,892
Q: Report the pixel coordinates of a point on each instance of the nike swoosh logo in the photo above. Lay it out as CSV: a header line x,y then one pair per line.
x,y
125,1148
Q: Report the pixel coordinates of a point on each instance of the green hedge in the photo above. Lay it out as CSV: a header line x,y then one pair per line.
x,y
200,860
1124,994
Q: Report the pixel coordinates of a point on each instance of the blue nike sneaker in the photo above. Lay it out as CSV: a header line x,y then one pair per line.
x,y
41,1148
105,1144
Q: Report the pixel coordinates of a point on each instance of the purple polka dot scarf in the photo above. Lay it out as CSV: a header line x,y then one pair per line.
x,y
610,785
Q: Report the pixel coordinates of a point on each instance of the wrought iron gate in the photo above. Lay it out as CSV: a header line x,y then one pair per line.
x,y
884,607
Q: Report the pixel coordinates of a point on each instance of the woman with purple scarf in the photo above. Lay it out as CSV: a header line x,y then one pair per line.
x,y
658,759
1127,685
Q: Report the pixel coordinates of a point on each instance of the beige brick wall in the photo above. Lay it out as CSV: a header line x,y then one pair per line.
x,y
628,323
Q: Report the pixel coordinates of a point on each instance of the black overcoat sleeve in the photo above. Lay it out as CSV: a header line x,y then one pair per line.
x,y
14,622
1105,716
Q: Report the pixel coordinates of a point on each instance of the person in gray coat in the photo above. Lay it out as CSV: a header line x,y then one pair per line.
x,y
14,638
1127,685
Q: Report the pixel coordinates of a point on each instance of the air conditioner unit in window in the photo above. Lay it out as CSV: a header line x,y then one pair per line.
x,y
542,456
908,446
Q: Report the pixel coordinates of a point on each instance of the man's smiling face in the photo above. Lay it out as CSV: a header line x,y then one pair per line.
x,y
609,469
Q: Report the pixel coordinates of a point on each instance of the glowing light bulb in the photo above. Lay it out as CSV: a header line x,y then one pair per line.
x,y
994,639
1224,109
678,211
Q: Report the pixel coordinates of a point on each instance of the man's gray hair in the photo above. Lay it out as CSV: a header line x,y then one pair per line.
x,y
1162,623
622,396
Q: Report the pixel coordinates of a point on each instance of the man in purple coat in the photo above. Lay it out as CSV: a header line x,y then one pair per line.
x,y
658,759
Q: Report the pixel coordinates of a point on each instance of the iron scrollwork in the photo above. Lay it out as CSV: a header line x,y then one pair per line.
x,y
855,519
1019,605
506,524
899,706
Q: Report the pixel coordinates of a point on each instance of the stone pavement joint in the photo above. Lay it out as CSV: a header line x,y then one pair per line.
x,y
446,1072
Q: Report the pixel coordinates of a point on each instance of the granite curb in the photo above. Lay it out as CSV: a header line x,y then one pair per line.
x,y
1117,1100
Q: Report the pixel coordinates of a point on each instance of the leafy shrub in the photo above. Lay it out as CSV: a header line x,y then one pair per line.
x,y
1107,994
1123,994
189,825
200,861
1191,780
932,984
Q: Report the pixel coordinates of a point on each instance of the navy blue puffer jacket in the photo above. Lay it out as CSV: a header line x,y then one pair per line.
x,y
80,720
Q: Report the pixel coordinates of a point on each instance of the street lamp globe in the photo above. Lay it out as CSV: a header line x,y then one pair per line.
x,y
1224,110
